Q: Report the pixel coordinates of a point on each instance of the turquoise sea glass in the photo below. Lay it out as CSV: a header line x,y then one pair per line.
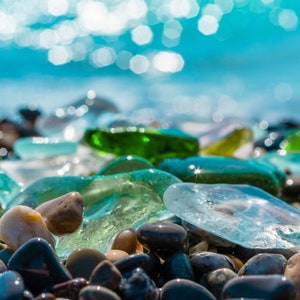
x,y
242,214
112,203
217,169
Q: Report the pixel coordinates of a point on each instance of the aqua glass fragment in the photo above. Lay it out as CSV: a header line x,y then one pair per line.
x,y
217,169
291,143
125,164
112,203
39,147
241,214
9,188
151,144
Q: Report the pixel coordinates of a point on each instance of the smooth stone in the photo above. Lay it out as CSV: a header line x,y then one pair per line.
x,y
5,254
291,191
272,287
64,214
82,261
22,223
106,274
45,296
138,286
152,144
264,264
218,169
178,265
292,271
215,280
204,262
126,240
182,289
115,254
39,265
39,147
96,292
27,295
134,198
69,289
241,214
125,164
11,285
3,266
164,236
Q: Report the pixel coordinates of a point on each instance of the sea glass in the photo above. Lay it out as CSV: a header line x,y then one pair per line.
x,y
9,188
242,214
83,162
151,144
291,143
39,147
217,169
112,203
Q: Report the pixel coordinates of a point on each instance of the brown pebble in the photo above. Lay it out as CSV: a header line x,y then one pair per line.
x,y
113,255
126,240
45,296
20,224
106,274
81,262
292,271
97,292
3,266
64,214
237,262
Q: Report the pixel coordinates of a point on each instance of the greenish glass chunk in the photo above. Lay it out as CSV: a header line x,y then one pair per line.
x,y
217,169
125,164
151,144
291,143
229,144
112,203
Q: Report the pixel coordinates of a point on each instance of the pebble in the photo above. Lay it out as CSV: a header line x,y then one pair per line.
x,y
20,224
97,292
63,215
126,240
272,287
292,271
182,289
264,264
114,254
69,289
11,285
81,262
164,236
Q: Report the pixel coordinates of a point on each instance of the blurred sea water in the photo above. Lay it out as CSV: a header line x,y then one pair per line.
x,y
205,60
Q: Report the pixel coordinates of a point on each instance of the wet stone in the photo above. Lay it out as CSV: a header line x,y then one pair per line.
x,y
39,265
215,280
182,289
64,214
138,286
165,236
5,254
96,292
81,262
273,287
11,285
204,262
69,289
292,271
178,265
20,224
264,264
3,266
126,240
106,274
114,254
45,296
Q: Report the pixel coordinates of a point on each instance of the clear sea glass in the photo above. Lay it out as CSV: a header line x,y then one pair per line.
x,y
241,214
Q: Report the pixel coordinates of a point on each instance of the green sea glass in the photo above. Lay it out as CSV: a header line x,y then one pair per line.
x,y
151,144
125,164
217,169
230,144
291,143
112,203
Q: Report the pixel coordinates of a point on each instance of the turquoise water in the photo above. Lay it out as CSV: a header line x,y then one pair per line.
x,y
209,60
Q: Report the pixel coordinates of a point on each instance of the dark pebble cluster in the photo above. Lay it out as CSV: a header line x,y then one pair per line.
x,y
158,261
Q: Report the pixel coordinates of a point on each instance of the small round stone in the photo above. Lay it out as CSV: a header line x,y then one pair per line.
x,y
81,262
69,289
182,289
292,271
11,285
166,236
263,264
3,266
126,240
20,224
114,254
97,292
45,296
106,274
64,214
